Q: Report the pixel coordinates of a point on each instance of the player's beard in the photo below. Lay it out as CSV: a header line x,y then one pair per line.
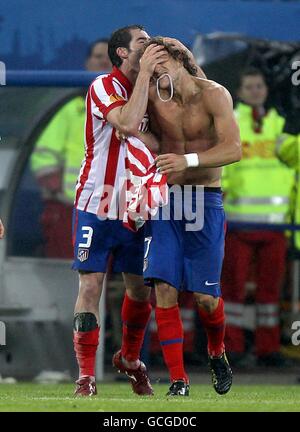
x,y
136,59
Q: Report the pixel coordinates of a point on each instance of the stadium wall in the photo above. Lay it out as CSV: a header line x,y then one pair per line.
x,y
55,35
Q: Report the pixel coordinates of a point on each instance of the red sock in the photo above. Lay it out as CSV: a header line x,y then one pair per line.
x,y
170,334
214,324
85,346
135,317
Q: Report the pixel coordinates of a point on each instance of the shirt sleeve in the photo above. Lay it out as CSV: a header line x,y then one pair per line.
x,y
105,96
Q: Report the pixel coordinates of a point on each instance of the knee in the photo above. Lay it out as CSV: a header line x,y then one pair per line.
x,y
166,295
207,302
135,287
139,292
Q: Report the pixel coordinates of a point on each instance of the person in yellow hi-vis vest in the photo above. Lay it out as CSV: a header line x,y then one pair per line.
x,y
288,151
56,160
257,189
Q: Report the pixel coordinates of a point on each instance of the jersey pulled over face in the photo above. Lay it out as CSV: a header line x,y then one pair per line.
x,y
184,125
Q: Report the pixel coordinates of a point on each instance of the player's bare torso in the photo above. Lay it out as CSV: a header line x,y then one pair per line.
x,y
184,126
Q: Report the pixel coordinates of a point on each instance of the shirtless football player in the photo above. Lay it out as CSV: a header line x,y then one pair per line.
x,y
194,123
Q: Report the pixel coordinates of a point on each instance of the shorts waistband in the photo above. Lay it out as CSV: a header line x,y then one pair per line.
x,y
213,189
206,188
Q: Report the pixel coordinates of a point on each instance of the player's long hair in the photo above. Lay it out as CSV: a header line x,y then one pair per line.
x,y
176,54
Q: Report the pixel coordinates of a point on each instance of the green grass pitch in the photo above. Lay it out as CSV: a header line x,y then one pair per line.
x,y
118,397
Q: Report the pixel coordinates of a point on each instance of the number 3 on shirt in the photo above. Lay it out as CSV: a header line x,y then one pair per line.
x,y
87,233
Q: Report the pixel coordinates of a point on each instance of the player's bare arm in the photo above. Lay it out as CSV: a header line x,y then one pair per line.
x,y
128,118
227,150
2,230
150,140
218,104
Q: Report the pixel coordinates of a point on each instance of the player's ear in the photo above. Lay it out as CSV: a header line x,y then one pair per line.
x,y
122,52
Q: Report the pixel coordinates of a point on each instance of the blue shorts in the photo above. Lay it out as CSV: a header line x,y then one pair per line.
x,y
95,240
187,260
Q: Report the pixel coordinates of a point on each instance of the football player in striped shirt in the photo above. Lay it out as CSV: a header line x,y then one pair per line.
x,y
114,102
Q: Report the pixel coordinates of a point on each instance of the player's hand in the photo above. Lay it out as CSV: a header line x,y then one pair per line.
x,y
176,44
120,135
171,163
2,230
153,55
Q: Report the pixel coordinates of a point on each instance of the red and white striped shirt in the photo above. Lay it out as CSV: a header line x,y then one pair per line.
x,y
146,188
104,165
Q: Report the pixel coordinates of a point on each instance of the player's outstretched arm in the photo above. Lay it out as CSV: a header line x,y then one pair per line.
x,y
2,230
